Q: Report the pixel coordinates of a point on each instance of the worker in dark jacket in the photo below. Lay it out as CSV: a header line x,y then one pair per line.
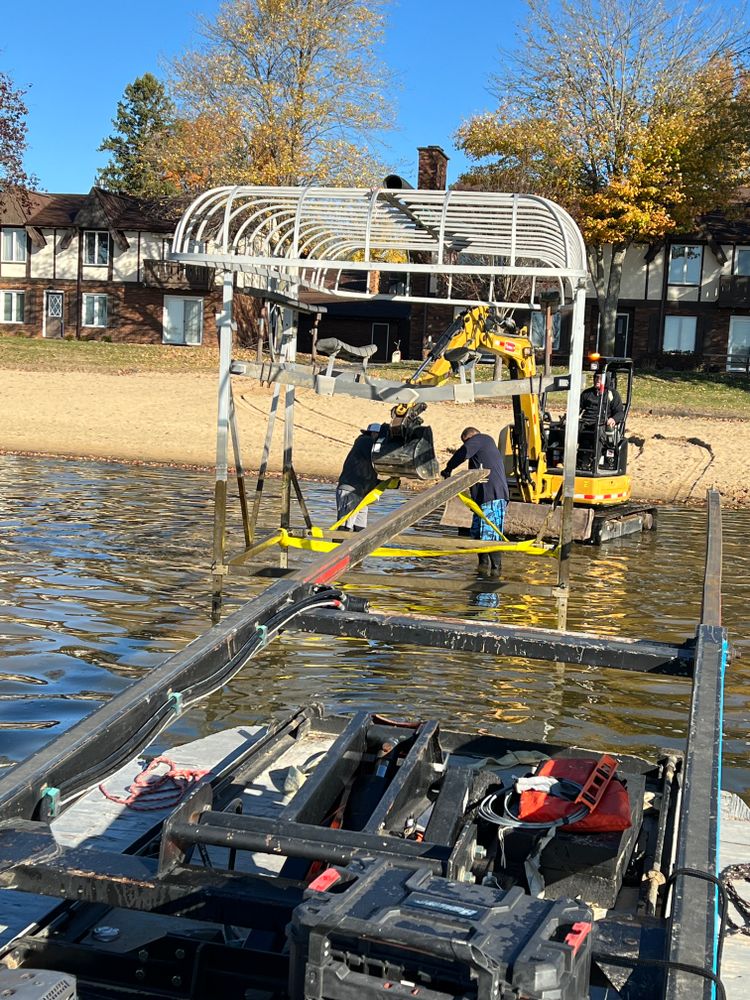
x,y
491,494
610,407
357,478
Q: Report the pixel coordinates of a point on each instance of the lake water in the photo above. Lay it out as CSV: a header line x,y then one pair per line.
x,y
103,574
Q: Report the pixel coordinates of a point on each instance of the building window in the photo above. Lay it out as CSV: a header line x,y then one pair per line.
x,y
539,330
11,307
742,261
738,349
14,246
94,310
96,248
679,333
183,320
685,265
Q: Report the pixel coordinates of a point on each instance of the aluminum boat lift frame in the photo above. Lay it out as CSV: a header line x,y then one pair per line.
x,y
277,243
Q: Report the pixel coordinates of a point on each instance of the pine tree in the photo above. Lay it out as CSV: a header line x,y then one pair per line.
x,y
144,118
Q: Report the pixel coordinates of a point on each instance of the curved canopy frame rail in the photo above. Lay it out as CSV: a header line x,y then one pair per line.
x,y
319,238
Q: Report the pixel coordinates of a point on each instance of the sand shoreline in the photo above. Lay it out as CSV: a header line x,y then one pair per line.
x,y
169,420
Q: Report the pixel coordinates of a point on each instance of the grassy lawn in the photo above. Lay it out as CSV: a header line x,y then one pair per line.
x,y
95,356
661,392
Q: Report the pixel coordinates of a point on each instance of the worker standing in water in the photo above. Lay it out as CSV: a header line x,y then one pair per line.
x,y
491,495
357,478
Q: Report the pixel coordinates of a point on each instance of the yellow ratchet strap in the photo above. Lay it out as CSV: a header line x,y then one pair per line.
x,y
317,543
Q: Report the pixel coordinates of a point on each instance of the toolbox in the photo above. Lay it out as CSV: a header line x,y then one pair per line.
x,y
403,929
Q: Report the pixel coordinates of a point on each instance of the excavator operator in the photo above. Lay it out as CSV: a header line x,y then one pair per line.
x,y
594,409
602,419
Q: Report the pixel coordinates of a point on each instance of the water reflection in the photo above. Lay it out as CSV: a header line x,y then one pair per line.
x,y
103,573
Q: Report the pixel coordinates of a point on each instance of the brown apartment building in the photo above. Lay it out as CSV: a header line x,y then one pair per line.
x,y
94,266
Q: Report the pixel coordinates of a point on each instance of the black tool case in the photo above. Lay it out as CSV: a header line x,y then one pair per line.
x,y
404,930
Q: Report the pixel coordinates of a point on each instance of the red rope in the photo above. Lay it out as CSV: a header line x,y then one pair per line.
x,y
157,791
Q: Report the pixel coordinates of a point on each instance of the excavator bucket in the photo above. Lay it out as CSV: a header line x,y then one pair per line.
x,y
408,458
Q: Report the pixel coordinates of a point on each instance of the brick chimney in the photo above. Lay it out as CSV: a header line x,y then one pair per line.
x,y
433,169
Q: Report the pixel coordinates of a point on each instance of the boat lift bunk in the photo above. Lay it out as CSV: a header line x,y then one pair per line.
x,y
326,857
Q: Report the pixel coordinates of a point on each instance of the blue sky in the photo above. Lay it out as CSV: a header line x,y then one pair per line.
x,y
77,57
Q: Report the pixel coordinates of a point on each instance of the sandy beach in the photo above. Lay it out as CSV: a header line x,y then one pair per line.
x,y
170,419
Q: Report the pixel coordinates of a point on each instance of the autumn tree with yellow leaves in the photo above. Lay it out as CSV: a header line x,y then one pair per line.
x,y
280,92
633,114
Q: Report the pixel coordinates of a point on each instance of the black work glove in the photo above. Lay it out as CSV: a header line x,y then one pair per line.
x,y
446,474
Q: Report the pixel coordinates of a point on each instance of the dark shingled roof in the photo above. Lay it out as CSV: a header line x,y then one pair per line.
x,y
120,211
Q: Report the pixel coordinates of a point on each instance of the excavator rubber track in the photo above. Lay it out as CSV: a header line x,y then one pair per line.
x,y
619,522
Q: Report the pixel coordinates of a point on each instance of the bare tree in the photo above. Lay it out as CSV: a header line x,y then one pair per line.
x,y
13,140
634,114
283,92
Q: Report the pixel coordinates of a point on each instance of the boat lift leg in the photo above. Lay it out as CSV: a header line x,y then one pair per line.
x,y
239,467
264,459
225,328
290,338
300,498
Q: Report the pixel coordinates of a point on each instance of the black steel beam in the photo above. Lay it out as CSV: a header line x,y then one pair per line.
x,y
31,861
103,741
263,835
504,640
694,926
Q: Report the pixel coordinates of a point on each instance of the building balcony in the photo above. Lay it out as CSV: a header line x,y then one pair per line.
x,y
173,275
734,291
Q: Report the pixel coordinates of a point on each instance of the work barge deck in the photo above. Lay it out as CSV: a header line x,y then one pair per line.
x,y
181,901
329,858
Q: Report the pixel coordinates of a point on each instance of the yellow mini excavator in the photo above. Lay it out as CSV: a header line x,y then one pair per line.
x,y
533,444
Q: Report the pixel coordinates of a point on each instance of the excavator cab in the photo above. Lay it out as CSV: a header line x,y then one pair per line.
x,y
602,444
602,448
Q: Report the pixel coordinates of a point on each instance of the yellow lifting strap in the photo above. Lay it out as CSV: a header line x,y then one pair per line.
x,y
317,543
529,545
476,509
375,494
